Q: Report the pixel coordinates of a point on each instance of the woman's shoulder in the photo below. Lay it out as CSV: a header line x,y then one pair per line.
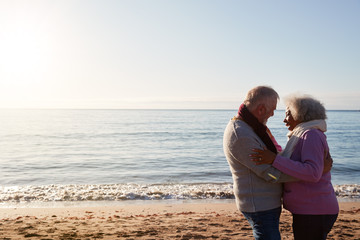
x,y
314,135
314,132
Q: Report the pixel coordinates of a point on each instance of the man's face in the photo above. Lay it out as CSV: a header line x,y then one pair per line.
x,y
270,108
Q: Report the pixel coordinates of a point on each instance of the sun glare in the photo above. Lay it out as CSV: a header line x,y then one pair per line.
x,y
24,56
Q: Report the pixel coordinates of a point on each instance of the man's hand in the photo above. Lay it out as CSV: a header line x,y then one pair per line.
x,y
328,162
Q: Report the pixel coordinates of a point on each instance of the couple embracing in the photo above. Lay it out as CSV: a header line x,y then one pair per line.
x,y
266,176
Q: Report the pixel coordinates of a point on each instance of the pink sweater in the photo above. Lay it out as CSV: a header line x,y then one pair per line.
x,y
314,193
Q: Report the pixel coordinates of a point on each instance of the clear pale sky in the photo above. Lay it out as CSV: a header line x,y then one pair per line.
x,y
176,54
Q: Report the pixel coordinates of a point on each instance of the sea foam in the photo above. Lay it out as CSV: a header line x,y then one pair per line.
x,y
126,192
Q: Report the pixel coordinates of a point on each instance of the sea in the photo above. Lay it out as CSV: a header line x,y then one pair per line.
x,y
52,156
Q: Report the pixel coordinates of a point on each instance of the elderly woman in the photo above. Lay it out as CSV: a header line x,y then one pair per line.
x,y
311,200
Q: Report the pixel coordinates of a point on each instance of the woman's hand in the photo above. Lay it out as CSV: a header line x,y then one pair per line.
x,y
262,156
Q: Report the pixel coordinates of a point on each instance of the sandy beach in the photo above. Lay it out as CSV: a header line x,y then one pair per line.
x,y
152,221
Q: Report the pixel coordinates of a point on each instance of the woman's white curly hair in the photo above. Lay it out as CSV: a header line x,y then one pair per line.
x,y
305,108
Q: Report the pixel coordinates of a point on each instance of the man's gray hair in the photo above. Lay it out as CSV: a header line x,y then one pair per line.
x,y
305,108
260,94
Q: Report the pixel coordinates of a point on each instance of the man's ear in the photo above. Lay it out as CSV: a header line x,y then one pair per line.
x,y
261,109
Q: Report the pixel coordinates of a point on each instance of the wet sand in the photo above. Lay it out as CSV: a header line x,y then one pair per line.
x,y
152,221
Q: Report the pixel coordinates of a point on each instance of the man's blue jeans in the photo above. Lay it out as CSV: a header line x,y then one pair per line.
x,y
265,224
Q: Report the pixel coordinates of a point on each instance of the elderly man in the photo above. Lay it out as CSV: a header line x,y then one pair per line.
x,y
257,188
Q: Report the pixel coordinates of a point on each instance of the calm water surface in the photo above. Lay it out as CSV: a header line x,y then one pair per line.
x,y
40,147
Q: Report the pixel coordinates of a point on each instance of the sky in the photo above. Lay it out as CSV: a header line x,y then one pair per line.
x,y
176,54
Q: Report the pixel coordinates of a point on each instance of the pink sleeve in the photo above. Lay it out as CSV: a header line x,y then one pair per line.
x,y
310,164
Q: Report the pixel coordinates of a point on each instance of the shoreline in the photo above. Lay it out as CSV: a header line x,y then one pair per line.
x,y
122,193
187,220
124,203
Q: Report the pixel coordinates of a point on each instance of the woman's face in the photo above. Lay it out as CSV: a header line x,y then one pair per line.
x,y
289,121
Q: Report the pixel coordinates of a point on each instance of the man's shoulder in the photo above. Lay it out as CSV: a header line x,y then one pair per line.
x,y
239,128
